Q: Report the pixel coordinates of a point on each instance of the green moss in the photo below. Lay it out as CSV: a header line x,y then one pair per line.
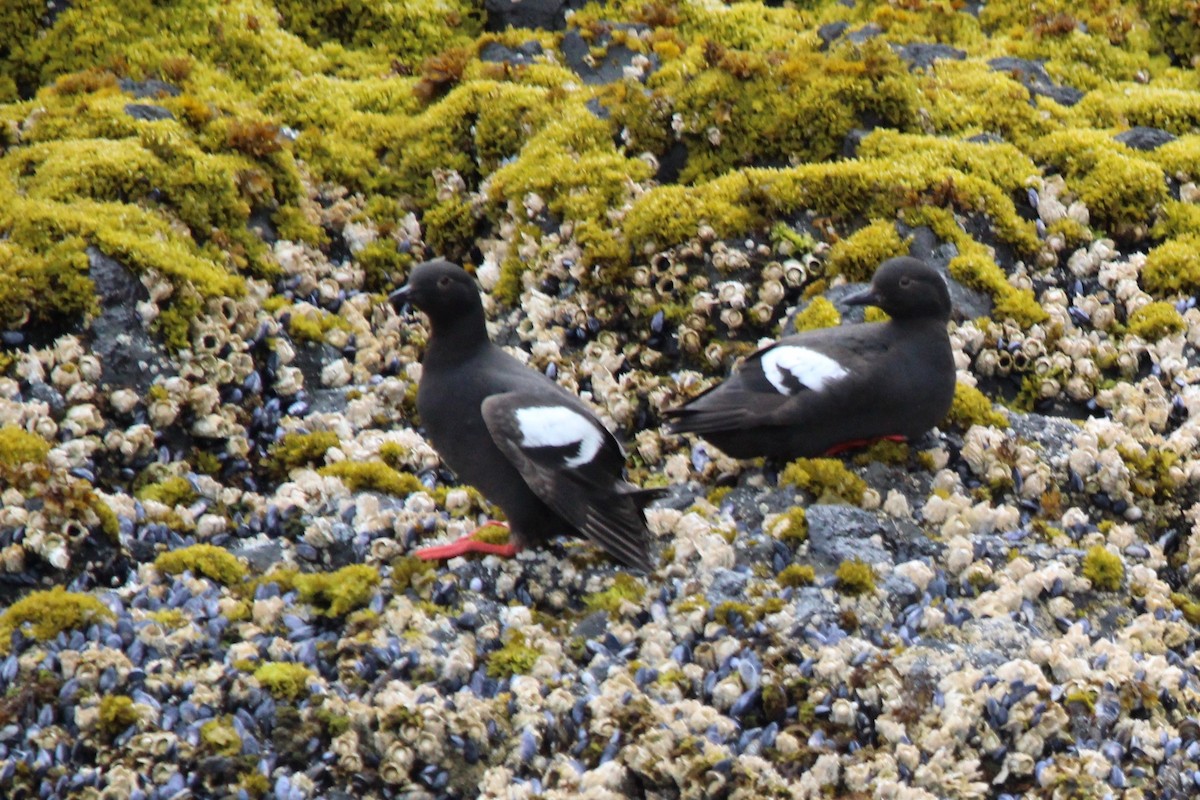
x,y
408,571
311,325
972,407
1105,570
855,578
285,681
20,450
717,494
1153,321
796,575
825,478
1189,607
172,491
43,615
294,450
335,724
219,737
857,256
792,527
1085,698
116,715
1150,470
336,593
624,588
883,451
169,618
450,227
1174,266
373,476
514,658
203,559
819,313
1174,25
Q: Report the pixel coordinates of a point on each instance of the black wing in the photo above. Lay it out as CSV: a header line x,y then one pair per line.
x,y
573,464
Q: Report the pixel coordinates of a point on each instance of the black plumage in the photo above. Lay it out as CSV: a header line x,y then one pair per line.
x,y
527,444
824,390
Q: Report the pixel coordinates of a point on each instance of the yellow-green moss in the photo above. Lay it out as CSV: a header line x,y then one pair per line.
x,y
171,491
43,615
826,478
796,575
514,658
819,313
299,449
116,714
791,527
373,476
312,324
219,737
1189,607
203,559
1153,321
855,577
20,449
285,681
883,451
336,593
857,256
972,407
624,588
1086,698
1173,266
1105,570
410,571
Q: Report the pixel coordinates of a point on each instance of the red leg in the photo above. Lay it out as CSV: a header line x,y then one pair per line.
x,y
469,544
854,444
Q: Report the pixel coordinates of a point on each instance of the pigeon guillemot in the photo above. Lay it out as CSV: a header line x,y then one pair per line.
x,y
533,448
823,391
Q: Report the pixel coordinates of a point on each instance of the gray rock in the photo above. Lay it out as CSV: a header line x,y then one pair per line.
x,y
1033,76
727,585
1143,138
50,396
923,55
151,88
998,640
549,15
148,112
130,358
520,56
838,533
576,52
593,626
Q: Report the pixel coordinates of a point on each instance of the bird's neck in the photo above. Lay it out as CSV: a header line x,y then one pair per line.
x,y
455,340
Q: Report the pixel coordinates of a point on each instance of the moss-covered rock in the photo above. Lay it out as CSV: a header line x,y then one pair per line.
x,y
44,614
203,559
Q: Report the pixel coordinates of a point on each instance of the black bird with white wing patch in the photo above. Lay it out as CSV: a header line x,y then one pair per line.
x,y
823,391
527,444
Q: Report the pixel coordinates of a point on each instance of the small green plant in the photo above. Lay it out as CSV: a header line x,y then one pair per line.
x,y
203,559
796,575
515,658
285,681
116,715
44,614
855,577
624,587
1104,569
826,478
336,593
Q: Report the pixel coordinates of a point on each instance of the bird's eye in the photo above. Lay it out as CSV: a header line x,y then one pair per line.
x,y
905,282
444,281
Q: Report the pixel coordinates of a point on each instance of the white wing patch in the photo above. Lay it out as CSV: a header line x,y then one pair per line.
x,y
557,426
805,366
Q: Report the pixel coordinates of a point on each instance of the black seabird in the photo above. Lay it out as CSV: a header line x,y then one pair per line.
x,y
527,444
824,391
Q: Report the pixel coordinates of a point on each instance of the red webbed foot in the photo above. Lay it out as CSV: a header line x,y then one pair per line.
x,y
473,542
